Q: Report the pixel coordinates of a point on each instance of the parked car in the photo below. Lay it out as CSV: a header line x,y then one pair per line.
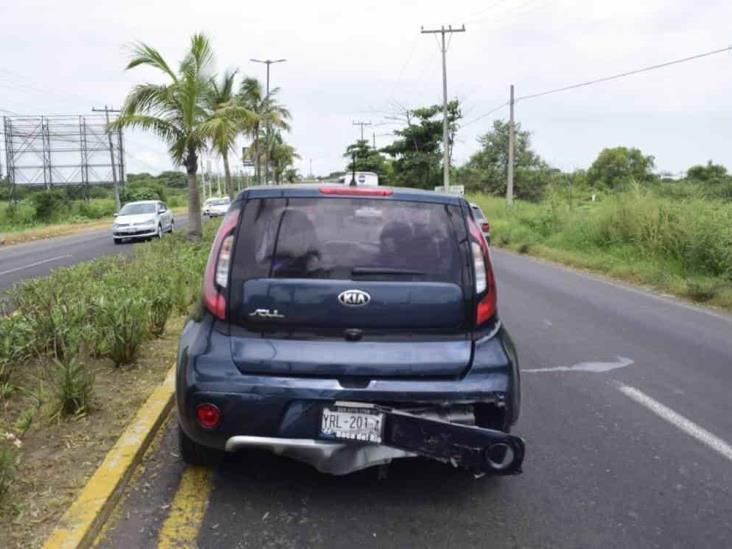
x,y
482,221
346,327
215,207
143,219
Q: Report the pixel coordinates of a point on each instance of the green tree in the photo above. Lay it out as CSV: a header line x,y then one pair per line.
x,y
268,112
711,173
417,153
281,155
367,159
175,111
486,170
620,165
173,179
228,119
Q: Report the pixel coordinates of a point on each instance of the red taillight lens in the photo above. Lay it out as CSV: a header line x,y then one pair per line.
x,y
208,415
357,191
485,284
216,277
486,227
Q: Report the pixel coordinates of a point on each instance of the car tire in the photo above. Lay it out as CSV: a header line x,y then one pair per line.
x,y
117,240
159,234
172,226
196,454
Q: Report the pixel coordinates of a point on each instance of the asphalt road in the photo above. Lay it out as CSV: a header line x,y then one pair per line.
x,y
38,258
627,417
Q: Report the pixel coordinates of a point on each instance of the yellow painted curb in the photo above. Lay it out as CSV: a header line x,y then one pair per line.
x,y
83,520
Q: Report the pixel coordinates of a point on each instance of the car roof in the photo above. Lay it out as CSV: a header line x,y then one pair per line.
x,y
142,202
311,190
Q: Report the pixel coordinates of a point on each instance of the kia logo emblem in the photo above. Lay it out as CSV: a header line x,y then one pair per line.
x,y
354,298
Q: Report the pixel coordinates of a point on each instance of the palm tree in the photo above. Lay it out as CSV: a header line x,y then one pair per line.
x,y
269,114
227,119
282,156
175,111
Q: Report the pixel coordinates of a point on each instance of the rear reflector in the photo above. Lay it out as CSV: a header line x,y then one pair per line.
x,y
208,415
356,191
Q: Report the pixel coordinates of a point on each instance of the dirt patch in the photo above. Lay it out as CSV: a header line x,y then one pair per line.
x,y
58,457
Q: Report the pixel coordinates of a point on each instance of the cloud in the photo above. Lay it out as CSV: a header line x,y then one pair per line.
x,y
356,60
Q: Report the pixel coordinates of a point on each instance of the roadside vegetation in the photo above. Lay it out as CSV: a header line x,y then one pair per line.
x,y
79,351
54,210
194,111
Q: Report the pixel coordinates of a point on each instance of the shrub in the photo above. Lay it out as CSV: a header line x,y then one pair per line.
x,y
50,205
124,322
160,309
9,445
15,344
73,385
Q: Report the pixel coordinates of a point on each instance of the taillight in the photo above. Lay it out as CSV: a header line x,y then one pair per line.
x,y
485,285
485,226
216,276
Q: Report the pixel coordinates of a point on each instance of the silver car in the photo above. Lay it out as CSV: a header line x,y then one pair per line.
x,y
143,219
217,206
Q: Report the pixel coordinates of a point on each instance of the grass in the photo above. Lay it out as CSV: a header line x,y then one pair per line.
x,y
17,234
80,352
681,247
58,457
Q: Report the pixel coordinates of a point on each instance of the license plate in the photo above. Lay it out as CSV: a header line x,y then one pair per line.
x,y
352,423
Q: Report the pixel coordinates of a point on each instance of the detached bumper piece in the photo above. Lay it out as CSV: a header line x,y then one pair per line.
x,y
482,451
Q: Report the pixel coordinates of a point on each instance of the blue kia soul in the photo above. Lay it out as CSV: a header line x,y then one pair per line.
x,y
346,327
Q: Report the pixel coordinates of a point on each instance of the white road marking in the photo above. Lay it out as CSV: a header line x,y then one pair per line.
x,y
679,421
595,367
49,260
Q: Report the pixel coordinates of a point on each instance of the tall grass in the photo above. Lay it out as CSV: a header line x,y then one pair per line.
x,y
682,245
102,308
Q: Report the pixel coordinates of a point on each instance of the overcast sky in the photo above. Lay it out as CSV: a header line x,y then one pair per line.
x,y
366,60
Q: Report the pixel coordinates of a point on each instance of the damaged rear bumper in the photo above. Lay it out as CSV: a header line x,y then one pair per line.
x,y
479,450
435,418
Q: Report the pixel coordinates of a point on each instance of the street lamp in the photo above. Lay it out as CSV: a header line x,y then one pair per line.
x,y
267,62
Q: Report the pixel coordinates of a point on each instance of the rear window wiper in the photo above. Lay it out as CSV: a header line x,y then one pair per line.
x,y
366,271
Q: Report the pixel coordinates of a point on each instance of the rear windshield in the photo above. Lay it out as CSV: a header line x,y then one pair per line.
x,y
218,202
351,239
135,208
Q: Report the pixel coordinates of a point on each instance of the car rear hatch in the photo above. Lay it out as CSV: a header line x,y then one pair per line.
x,y
350,286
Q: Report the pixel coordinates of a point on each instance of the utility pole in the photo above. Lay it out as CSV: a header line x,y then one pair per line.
x,y
374,136
106,110
267,62
445,153
362,124
310,175
511,139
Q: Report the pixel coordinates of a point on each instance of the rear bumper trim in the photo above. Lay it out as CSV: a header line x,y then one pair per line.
x,y
335,458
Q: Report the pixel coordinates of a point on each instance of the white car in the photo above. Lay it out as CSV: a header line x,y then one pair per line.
x,y
214,207
143,219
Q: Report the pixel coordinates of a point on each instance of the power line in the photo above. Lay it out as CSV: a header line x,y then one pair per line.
x,y
624,74
490,112
600,80
362,124
442,31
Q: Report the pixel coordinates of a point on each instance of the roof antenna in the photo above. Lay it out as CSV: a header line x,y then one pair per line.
x,y
353,174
